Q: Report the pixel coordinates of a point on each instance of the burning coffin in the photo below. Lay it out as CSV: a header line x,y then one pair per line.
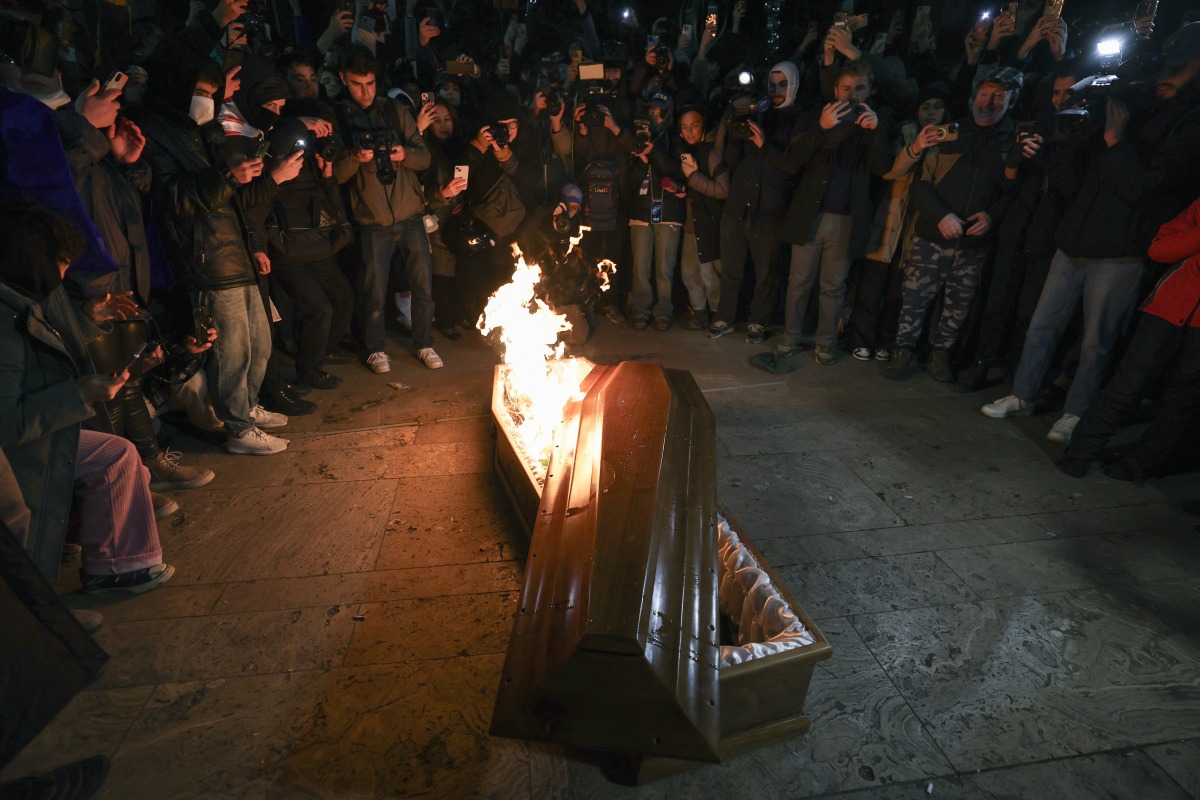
x,y
648,625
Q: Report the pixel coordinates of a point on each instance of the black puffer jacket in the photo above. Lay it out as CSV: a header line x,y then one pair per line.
x,y
199,206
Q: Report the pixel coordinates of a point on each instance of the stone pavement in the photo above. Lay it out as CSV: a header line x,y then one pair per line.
x,y
338,620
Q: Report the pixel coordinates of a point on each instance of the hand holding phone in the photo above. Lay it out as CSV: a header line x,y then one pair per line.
x,y
116,81
133,359
462,171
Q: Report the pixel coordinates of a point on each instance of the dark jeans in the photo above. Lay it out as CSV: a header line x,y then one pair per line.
x,y
324,304
759,241
379,244
1158,350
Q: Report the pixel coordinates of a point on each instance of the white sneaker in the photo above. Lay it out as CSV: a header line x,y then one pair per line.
x,y
1011,406
1062,430
379,362
863,354
267,419
255,442
430,358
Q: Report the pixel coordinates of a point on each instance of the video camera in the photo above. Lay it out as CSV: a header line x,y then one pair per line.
x,y
1130,80
743,115
597,99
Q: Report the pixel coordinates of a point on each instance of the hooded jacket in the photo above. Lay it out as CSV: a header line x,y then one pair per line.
x,y
198,205
762,179
42,346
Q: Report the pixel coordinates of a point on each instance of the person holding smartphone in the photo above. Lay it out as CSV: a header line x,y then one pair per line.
x,y
707,180
44,398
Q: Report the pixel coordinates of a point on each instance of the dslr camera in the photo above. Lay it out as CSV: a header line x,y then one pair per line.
x,y
380,141
499,132
554,98
739,123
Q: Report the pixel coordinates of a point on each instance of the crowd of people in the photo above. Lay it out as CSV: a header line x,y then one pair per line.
x,y
189,198
989,194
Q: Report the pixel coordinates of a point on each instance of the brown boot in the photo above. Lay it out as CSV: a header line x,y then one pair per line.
x,y
168,475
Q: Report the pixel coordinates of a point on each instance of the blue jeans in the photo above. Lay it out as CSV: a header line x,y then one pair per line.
x,y
379,244
653,245
238,359
1108,288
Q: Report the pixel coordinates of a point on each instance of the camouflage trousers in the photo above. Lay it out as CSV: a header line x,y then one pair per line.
x,y
932,267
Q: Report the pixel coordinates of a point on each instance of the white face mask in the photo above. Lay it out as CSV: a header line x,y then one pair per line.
x,y
202,110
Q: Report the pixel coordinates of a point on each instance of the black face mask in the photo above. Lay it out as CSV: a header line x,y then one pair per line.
x,y
264,119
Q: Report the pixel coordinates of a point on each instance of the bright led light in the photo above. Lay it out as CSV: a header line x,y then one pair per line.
x,y
745,78
985,15
1109,47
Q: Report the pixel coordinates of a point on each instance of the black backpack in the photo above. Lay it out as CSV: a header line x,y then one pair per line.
x,y
601,193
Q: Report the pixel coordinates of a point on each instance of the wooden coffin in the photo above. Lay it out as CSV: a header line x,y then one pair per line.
x,y
614,646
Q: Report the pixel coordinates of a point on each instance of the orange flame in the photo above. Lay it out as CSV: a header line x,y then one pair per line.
x,y
538,382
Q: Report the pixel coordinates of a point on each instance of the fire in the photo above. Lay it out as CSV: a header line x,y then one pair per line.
x,y
538,382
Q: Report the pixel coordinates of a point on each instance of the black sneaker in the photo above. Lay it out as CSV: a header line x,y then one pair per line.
x,y
320,379
755,334
339,356
135,582
284,400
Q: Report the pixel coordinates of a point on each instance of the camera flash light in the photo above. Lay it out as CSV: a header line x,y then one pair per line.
x,y
625,14
985,15
745,78
1109,47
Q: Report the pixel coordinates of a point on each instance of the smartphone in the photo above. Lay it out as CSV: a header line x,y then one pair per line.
x,y
434,14
652,40
947,133
347,6
233,58
460,68
922,14
133,359
577,58
263,147
656,207
116,81
426,98
1145,9
685,31
688,160
299,148
367,24
711,20
201,321
1053,9
1026,129
841,20
462,171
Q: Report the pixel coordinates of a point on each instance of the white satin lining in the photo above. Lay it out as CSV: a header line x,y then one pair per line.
x,y
764,622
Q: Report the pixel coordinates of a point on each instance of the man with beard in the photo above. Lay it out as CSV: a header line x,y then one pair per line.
x,y
960,197
1125,176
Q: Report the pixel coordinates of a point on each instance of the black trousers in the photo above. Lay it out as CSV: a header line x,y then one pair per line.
x,y
324,302
126,415
1159,351
877,302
